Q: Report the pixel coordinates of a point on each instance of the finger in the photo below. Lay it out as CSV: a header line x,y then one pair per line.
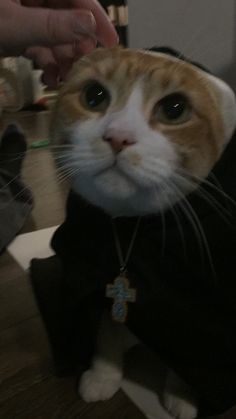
x,y
33,3
44,59
41,56
64,55
73,51
53,27
106,34
85,46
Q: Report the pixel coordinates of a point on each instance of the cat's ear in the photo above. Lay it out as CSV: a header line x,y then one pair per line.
x,y
227,102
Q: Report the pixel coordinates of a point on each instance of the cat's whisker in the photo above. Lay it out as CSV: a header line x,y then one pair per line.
x,y
196,224
67,166
221,192
6,185
66,177
202,235
63,157
216,184
62,146
81,157
14,197
181,204
223,212
213,176
60,171
34,151
174,212
151,174
212,186
63,174
208,197
163,223
171,190
41,183
10,157
84,165
65,150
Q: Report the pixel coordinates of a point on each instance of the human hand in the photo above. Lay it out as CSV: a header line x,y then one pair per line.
x,y
53,32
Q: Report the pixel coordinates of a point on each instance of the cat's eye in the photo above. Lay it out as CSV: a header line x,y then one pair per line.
x,y
95,97
173,109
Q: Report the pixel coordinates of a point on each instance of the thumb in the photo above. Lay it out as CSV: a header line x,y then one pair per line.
x,y
53,27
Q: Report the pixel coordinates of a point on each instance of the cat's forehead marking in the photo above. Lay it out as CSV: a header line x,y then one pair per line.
x,y
130,118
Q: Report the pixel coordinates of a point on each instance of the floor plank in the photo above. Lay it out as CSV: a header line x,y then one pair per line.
x,y
16,298
57,399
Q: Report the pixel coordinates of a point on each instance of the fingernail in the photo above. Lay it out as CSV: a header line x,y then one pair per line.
x,y
86,24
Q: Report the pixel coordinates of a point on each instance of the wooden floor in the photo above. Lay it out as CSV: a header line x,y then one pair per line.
x,y
28,388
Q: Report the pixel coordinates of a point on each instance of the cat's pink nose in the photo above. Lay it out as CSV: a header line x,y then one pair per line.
x,y
119,140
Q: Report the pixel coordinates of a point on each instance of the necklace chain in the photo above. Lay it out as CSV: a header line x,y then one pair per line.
x,y
124,260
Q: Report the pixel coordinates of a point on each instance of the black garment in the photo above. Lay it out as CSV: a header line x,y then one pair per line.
x,y
186,287
186,295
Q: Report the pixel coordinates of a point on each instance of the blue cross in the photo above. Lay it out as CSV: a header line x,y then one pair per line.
x,y
122,294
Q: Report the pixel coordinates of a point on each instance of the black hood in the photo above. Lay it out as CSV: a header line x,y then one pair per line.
x,y
184,273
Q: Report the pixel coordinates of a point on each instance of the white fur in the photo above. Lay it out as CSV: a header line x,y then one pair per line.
x,y
104,377
100,383
178,398
227,102
179,408
133,181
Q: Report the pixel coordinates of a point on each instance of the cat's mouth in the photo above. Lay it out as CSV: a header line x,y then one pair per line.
x,y
122,170
114,166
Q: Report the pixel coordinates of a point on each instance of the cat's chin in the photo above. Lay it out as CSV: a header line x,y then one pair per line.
x,y
115,184
108,190
118,196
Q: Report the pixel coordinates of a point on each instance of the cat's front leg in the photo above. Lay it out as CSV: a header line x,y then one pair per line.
x,y
178,398
104,377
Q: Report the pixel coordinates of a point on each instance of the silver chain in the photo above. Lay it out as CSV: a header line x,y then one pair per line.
x,y
124,260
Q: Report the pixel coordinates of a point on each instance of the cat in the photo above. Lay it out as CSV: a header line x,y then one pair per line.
x,y
137,132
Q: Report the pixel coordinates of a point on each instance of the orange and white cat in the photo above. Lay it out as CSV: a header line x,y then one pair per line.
x,y
139,130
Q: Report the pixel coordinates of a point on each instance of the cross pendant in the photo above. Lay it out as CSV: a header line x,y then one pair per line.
x,y
121,294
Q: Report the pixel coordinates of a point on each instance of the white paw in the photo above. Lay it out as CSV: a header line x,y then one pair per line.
x,y
95,386
180,408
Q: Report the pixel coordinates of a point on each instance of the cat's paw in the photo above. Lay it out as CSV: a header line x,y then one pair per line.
x,y
95,386
179,408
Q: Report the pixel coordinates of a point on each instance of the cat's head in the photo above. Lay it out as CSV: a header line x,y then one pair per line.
x,y
140,129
